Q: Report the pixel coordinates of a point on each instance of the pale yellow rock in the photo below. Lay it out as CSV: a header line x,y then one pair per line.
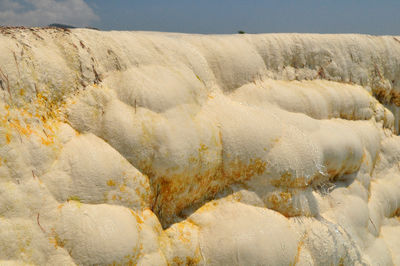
x,y
125,148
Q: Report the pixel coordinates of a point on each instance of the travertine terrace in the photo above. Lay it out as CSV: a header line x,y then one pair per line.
x,y
172,149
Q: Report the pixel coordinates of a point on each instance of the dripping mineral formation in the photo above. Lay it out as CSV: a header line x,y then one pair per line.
x,y
172,149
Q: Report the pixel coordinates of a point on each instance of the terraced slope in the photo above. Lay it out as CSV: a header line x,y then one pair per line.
x,y
159,148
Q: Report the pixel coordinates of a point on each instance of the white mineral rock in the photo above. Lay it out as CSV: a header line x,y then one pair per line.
x,y
123,148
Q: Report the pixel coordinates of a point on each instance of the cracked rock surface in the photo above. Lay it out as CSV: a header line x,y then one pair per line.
x,y
125,148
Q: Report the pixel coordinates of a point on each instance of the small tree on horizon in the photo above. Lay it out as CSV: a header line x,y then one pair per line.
x,y
63,26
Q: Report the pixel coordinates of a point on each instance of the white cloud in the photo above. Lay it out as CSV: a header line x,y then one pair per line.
x,y
44,12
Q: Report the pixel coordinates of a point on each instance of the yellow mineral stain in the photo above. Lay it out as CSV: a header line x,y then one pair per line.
x,y
122,188
47,141
178,261
276,140
53,241
297,257
245,171
287,180
111,183
203,148
8,138
76,200
138,219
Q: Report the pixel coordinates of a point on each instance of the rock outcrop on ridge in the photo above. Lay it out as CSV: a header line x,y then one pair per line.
x,y
151,148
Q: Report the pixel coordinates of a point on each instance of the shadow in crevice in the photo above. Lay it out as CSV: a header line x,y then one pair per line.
x,y
303,202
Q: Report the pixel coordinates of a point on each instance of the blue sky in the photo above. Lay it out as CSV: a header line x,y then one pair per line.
x,y
211,16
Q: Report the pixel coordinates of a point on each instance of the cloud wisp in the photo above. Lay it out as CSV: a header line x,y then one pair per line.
x,y
44,12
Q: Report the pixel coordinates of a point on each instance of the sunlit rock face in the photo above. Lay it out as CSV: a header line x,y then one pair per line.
x,y
121,148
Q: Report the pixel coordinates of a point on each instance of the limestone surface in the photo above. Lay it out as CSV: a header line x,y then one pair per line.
x,y
146,148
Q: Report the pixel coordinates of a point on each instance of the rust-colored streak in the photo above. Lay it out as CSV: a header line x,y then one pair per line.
x,y
38,222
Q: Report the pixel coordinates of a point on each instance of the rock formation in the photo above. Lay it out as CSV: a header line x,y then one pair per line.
x,y
172,149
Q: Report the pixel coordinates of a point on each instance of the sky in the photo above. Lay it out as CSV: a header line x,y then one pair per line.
x,y
377,17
